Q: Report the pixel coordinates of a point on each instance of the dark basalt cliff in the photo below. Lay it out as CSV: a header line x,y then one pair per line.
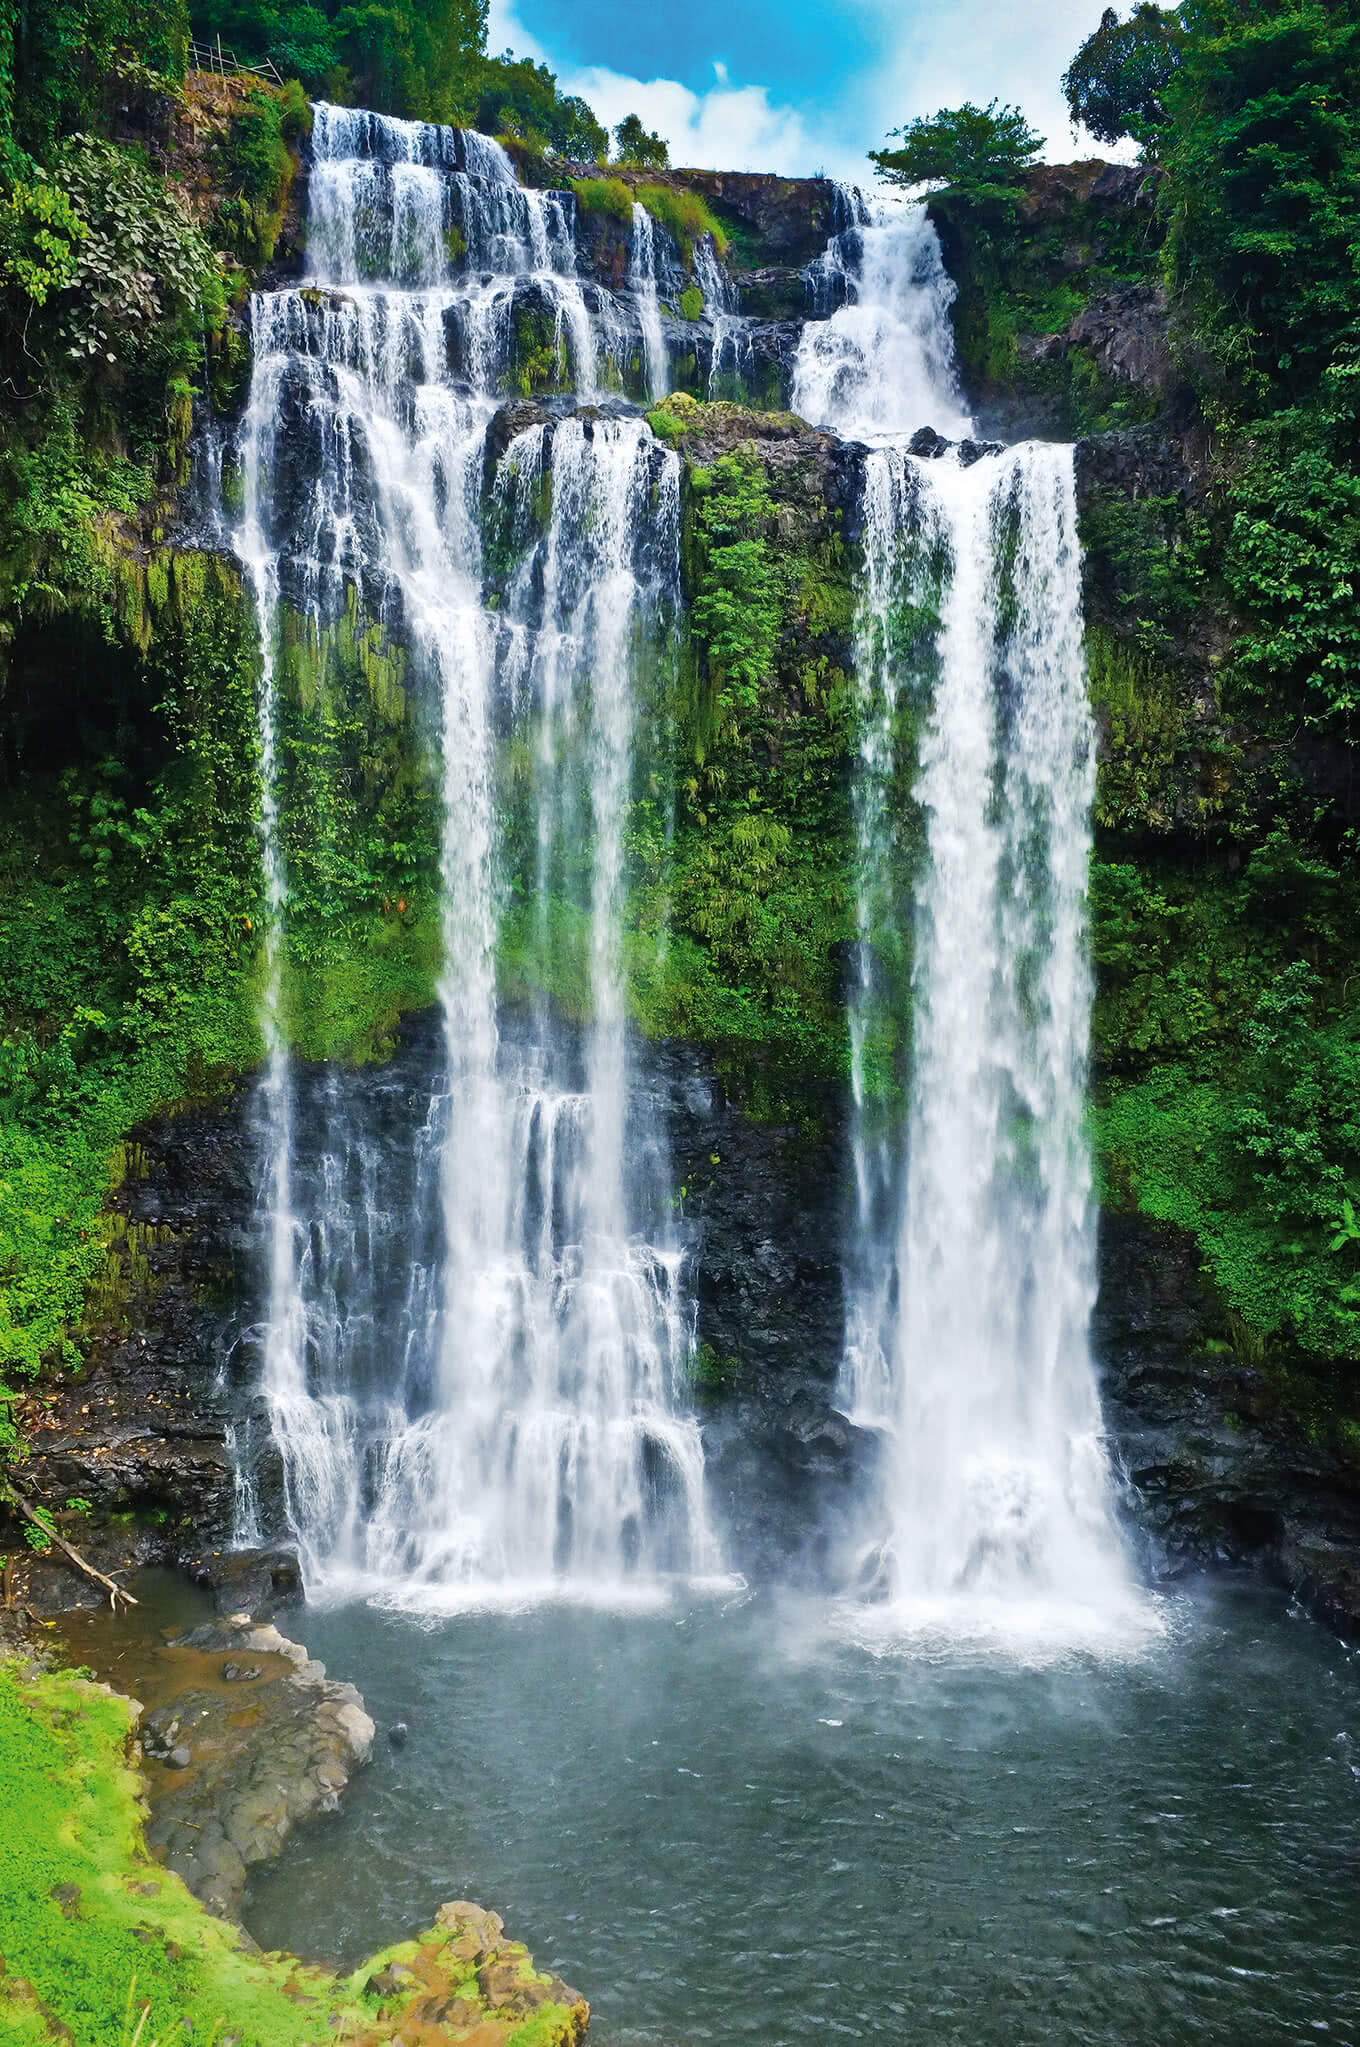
x,y
1220,1475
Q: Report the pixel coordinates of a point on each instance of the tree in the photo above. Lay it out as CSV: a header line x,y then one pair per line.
x,y
1264,164
519,97
579,135
1116,84
977,155
304,45
417,58
635,144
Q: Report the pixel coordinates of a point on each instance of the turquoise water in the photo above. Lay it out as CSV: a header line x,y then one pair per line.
x,y
755,1821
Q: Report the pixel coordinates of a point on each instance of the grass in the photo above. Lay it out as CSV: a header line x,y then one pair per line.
x,y
103,1948
604,195
686,215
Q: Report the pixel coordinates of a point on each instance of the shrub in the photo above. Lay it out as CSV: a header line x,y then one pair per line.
x,y
686,214
604,195
145,281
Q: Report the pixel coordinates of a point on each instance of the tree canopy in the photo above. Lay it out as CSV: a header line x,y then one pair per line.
x,y
1264,159
978,154
1116,85
635,144
518,97
420,59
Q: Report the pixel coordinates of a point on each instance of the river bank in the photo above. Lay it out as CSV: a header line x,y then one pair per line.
x,y
130,1823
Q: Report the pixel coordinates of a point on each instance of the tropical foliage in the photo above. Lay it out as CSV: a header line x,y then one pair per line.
x,y
976,157
1116,85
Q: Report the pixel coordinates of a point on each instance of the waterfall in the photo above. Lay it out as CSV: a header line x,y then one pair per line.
x,y
642,278
478,1342
970,1282
883,362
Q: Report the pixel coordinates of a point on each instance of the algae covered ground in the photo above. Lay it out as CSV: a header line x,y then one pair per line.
x,y
100,1947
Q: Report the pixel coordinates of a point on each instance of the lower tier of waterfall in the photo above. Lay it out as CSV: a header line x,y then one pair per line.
x,y
480,1422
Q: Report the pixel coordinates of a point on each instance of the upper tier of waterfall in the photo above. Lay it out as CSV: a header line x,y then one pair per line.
x,y
882,363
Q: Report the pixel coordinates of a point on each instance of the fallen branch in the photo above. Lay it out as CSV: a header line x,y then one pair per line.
x,y
42,1523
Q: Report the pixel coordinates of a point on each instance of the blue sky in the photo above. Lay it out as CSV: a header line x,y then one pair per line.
x,y
798,87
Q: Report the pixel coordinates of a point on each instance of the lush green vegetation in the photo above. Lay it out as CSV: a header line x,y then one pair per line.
x,y
1228,1022
127,757
424,60
639,145
103,1946
1117,83
687,214
978,156
604,195
759,888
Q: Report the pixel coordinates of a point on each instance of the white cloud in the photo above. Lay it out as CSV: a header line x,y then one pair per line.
x,y
727,128
1010,50
1014,51
731,128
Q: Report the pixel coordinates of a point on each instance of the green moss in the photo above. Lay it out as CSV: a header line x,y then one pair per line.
x,y
692,302
345,1001
713,1374
1141,709
539,361
258,166
609,196
687,215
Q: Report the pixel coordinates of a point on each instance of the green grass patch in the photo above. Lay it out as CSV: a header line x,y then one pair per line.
x,y
604,195
686,214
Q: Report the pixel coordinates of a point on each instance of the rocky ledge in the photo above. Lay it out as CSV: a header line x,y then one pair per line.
x,y
464,1980
459,1984
1223,1472
253,1738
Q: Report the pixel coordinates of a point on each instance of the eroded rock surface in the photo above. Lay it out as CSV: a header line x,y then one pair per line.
x,y
252,1738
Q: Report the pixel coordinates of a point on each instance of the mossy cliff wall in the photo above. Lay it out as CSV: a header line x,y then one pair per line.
x,y
130,940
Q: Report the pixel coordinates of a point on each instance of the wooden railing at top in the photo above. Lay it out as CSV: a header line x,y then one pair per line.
x,y
226,63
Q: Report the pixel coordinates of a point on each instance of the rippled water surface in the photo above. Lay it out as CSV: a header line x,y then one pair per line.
x,y
740,1822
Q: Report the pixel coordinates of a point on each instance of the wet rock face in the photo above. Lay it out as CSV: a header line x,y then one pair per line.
x,y
1221,1477
1127,333
792,219
143,1432
257,1739
764,1210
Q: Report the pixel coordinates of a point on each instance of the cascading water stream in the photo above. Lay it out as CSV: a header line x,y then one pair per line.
x,y
971,1281
642,278
882,364
478,1343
